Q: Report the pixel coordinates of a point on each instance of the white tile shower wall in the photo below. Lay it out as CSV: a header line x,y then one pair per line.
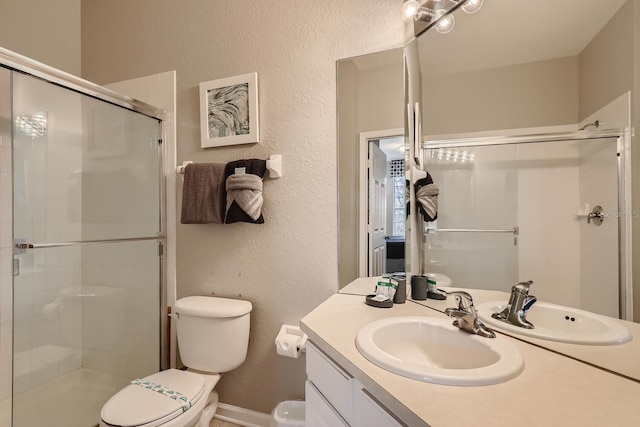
x,y
599,248
120,310
509,186
120,327
487,188
47,315
549,241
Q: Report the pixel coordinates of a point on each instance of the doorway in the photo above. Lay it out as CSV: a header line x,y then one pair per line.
x,y
382,203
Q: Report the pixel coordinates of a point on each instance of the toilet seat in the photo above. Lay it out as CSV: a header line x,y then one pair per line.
x,y
139,406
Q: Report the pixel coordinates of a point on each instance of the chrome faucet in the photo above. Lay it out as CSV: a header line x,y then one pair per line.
x,y
465,315
515,313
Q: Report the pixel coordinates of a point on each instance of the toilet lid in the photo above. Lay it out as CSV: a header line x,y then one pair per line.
x,y
154,400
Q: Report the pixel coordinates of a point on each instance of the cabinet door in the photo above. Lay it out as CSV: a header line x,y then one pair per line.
x,y
370,413
318,412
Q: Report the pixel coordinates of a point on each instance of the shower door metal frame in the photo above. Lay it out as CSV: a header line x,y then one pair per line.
x,y
18,63
623,139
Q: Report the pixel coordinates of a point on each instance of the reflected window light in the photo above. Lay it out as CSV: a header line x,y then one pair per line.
x,y
33,126
444,155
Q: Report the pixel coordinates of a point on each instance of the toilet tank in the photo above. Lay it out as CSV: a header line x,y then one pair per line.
x,y
213,333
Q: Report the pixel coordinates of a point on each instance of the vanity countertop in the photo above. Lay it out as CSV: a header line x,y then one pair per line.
x,y
622,358
552,389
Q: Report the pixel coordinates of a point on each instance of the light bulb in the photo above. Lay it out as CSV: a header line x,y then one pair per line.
x,y
445,24
409,9
472,6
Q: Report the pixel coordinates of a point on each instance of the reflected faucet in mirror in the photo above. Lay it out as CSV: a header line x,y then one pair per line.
x,y
465,315
515,313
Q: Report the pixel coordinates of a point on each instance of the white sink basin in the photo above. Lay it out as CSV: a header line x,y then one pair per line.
x,y
433,350
559,323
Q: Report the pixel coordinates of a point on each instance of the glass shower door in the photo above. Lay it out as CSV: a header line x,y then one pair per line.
x,y
87,281
520,211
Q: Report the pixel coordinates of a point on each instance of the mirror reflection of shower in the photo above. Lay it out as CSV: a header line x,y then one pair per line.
x,y
509,211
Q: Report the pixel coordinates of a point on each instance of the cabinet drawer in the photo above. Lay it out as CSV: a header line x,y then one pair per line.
x,y
331,380
370,413
318,412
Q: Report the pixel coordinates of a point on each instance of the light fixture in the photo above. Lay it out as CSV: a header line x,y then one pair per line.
x,y
472,6
445,22
409,10
436,13
413,11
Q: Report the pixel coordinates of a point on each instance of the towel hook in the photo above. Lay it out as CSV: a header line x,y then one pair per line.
x,y
274,166
181,168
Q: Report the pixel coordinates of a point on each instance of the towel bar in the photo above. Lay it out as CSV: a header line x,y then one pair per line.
x,y
515,230
274,166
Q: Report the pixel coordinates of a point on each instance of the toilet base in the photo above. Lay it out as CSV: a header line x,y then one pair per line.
x,y
209,410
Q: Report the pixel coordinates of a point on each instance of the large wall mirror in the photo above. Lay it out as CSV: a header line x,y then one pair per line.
x,y
370,127
502,97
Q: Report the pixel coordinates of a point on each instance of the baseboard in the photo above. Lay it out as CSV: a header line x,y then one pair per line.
x,y
241,416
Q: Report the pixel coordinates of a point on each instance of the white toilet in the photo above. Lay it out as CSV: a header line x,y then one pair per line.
x,y
213,336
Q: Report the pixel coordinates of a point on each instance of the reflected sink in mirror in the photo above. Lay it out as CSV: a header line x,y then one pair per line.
x,y
433,350
559,323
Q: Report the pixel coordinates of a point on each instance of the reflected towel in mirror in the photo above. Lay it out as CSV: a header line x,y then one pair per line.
x,y
427,197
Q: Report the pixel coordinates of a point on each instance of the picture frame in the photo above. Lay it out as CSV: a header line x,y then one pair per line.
x,y
229,111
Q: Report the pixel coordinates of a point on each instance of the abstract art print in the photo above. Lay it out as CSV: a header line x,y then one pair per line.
x,y
229,111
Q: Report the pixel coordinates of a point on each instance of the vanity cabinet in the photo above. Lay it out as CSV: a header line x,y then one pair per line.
x,y
334,398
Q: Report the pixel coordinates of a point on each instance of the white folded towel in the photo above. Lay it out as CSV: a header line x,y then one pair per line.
x,y
246,191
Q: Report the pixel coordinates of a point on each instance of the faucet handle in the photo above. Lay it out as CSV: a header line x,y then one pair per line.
x,y
522,287
466,316
463,299
529,302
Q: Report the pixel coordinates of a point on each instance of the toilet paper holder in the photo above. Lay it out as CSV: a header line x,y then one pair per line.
x,y
290,341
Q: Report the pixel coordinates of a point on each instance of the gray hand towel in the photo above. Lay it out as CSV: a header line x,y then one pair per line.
x,y
246,191
203,194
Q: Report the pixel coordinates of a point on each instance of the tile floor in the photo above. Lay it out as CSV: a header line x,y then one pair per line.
x,y
218,423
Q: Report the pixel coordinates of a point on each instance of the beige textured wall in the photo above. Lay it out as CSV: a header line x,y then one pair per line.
x,y
635,158
606,63
479,100
608,68
289,265
381,97
370,99
45,30
347,172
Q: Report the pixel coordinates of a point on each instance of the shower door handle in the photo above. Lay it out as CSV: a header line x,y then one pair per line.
x,y
20,245
596,215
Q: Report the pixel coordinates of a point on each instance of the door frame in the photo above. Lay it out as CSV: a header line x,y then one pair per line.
x,y
363,182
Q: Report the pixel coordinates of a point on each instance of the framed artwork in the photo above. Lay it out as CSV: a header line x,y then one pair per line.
x,y
229,111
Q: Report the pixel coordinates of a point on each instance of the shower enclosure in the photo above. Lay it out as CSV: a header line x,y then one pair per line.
x,y
548,208
82,234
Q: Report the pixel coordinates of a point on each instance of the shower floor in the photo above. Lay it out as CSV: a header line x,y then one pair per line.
x,y
73,400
